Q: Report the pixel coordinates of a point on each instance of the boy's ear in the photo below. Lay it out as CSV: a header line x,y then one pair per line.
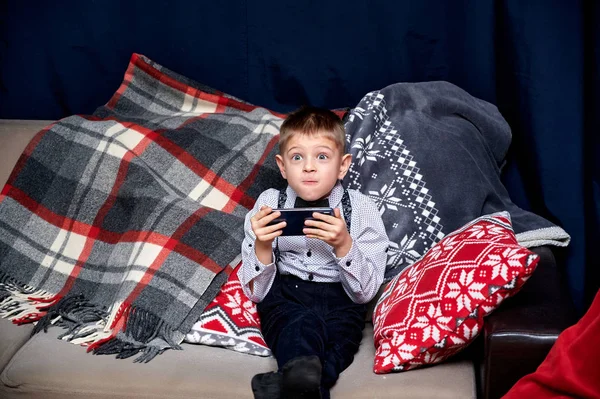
x,y
279,161
345,165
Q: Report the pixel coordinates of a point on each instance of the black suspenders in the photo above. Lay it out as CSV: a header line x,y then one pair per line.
x,y
346,210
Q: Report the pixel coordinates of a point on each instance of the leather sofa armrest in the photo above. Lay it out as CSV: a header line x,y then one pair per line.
x,y
519,334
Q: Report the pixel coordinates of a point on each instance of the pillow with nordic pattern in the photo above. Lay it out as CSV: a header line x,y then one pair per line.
x,y
436,307
230,321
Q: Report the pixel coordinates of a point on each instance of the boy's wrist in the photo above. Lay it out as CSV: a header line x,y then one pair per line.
x,y
264,251
343,249
263,245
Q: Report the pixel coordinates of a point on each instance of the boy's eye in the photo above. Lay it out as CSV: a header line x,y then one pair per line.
x,y
296,157
322,156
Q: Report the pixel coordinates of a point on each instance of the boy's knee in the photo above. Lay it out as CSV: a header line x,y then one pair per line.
x,y
309,327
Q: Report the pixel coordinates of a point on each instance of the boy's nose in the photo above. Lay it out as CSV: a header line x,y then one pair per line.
x,y
309,166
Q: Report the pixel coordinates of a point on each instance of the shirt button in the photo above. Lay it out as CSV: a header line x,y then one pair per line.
x,y
250,245
309,253
257,268
311,277
348,263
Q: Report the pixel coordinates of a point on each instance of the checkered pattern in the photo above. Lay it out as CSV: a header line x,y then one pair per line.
x,y
122,226
435,308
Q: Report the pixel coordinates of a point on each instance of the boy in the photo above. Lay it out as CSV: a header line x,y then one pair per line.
x,y
312,289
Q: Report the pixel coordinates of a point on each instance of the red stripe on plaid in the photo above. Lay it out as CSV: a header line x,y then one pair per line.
x,y
43,212
164,253
90,240
217,98
222,105
202,171
197,256
220,100
191,162
106,236
239,196
126,82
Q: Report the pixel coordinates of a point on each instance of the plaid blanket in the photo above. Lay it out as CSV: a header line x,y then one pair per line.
x,y
122,226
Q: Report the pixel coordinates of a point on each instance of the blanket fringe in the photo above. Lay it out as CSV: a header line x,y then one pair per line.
x,y
22,303
74,313
126,330
143,333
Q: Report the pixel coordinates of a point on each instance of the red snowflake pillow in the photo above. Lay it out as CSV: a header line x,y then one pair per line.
x,y
230,321
435,308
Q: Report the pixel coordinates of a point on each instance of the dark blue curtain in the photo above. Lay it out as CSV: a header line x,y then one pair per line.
x,y
538,61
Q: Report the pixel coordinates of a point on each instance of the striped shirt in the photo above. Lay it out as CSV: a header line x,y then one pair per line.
x,y
361,271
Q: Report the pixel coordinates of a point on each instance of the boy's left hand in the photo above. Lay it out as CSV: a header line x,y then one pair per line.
x,y
332,230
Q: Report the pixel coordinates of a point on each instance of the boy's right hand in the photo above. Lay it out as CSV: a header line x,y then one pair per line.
x,y
266,234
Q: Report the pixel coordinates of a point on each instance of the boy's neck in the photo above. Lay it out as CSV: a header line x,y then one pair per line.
x,y
321,202
301,203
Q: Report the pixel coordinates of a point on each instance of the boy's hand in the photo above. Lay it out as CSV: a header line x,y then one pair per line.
x,y
266,234
332,230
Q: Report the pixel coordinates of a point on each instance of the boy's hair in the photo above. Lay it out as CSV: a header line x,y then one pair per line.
x,y
311,121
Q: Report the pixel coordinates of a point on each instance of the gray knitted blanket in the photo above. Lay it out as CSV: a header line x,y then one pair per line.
x,y
429,154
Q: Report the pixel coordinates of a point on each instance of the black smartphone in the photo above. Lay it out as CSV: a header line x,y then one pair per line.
x,y
295,217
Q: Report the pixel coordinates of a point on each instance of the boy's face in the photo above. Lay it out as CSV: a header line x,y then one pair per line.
x,y
312,164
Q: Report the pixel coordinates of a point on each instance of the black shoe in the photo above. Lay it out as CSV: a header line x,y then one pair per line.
x,y
267,385
302,378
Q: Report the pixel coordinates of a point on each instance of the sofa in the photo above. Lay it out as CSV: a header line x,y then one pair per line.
x,y
515,340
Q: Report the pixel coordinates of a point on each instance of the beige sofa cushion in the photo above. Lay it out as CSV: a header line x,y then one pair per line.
x,y
11,339
444,381
48,368
14,137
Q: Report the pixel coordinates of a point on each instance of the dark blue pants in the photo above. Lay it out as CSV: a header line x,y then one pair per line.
x,y
303,318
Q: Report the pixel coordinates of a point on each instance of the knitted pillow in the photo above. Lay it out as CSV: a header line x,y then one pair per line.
x,y
435,308
230,321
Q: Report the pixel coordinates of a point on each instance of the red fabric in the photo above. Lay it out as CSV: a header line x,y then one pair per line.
x,y
572,368
230,321
435,308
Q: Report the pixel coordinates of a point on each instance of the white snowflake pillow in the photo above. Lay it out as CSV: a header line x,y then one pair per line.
x,y
435,308
230,321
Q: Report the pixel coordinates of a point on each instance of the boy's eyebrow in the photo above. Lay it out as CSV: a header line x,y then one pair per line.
x,y
318,148
291,148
